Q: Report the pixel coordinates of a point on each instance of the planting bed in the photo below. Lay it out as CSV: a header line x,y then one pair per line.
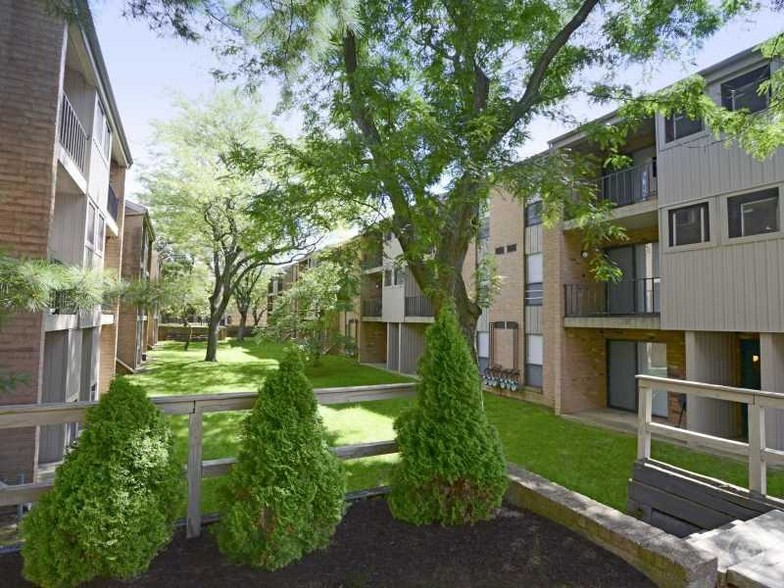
x,y
518,548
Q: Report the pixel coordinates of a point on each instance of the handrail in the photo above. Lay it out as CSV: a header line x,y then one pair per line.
x,y
756,450
630,185
195,406
73,137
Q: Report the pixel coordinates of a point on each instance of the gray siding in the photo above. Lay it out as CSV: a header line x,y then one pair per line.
x,y
737,287
393,346
412,346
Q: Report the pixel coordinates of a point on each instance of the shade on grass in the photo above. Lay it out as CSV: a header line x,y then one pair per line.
x,y
589,460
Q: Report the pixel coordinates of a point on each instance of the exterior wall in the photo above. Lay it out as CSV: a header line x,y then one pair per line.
x,y
32,52
412,346
772,372
372,342
127,341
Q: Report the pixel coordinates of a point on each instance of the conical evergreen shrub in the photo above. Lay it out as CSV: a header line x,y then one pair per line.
x,y
452,469
286,492
114,500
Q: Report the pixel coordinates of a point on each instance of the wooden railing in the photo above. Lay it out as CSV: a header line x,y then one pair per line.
x,y
757,453
195,406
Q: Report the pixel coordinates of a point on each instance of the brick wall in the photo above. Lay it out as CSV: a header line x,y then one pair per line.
x,y
32,50
372,342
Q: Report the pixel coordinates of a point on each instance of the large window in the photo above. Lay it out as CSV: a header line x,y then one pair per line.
x,y
753,214
91,225
534,277
533,214
689,225
534,355
679,125
743,91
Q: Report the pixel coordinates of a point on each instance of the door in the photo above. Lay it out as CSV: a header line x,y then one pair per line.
x,y
620,295
622,367
626,359
52,437
750,375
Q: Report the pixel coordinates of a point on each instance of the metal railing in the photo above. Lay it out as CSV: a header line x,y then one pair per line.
x,y
113,204
628,297
195,406
371,307
372,261
629,186
756,451
73,137
418,306
60,302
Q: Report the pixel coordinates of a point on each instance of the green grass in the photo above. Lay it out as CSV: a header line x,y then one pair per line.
x,y
595,462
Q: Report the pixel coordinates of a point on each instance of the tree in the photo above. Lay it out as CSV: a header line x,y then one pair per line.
x,y
285,495
250,295
308,311
232,219
420,107
452,469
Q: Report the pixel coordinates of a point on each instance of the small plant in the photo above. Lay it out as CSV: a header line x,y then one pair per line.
x,y
285,495
114,500
452,469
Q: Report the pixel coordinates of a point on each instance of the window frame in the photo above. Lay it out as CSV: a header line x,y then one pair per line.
x,y
533,213
530,365
672,137
705,232
773,193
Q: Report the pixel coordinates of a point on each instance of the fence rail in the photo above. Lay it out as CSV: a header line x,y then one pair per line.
x,y
757,453
195,406
73,137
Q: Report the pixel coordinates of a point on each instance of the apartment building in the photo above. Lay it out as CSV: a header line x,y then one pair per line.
x,y
63,159
702,294
138,326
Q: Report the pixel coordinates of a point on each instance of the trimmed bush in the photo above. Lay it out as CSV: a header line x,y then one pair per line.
x,y
115,498
285,495
452,469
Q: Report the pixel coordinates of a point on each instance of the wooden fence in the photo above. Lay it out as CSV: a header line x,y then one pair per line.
x,y
195,406
759,456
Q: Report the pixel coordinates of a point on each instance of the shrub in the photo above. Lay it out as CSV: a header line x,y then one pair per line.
x,y
285,495
452,469
114,498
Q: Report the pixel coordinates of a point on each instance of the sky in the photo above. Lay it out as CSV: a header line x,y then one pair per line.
x,y
147,70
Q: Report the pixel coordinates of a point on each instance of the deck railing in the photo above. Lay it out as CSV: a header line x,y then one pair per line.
x,y
371,307
757,453
628,297
630,185
195,406
73,137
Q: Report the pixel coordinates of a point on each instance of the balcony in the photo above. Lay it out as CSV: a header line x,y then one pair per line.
x,y
371,307
73,137
630,186
372,261
60,302
418,306
628,300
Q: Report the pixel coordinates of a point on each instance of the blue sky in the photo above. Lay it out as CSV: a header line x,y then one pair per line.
x,y
146,70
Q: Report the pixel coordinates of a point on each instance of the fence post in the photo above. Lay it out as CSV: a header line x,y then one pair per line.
x,y
193,520
644,414
758,474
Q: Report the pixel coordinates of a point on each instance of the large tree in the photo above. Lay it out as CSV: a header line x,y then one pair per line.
x,y
418,108
233,220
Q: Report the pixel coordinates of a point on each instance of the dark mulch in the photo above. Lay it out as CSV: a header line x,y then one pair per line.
x,y
518,548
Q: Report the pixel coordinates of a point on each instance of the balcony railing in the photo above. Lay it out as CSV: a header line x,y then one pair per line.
x,y
371,307
60,302
73,137
113,204
630,186
372,261
418,306
629,297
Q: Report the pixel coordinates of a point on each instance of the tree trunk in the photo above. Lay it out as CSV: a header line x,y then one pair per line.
x,y
243,323
212,338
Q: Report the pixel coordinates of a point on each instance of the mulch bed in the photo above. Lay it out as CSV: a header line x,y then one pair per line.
x,y
370,548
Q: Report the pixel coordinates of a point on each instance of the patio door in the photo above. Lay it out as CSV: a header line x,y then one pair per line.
x,y
626,359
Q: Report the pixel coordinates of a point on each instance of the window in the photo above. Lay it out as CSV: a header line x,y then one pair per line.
x,y
399,276
91,225
743,91
499,250
511,248
101,235
534,276
101,131
534,355
679,125
387,277
689,225
484,229
753,214
533,214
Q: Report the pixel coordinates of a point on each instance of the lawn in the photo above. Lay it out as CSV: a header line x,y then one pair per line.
x,y
592,461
